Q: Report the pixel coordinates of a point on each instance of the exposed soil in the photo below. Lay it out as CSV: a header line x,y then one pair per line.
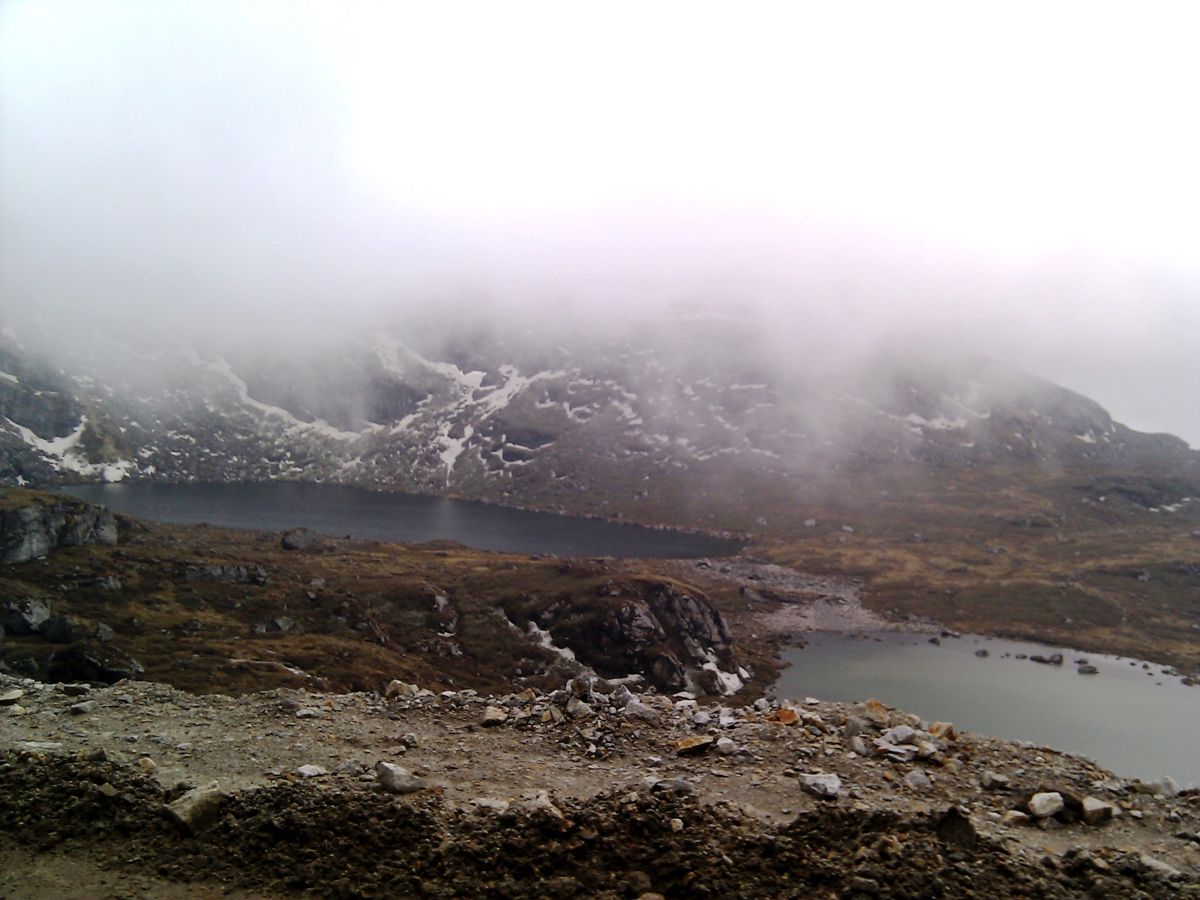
x,y
623,813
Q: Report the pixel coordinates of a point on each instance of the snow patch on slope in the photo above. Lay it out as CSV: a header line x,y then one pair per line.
x,y
64,453
318,426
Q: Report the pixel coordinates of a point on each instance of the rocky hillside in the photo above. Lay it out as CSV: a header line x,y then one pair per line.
x,y
218,609
652,423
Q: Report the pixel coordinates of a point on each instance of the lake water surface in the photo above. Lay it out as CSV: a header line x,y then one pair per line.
x,y
1137,722
402,518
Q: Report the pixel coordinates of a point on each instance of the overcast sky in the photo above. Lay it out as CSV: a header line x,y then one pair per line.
x,y
1020,180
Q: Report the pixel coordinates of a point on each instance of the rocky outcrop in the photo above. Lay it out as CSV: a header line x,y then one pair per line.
x,y
671,636
29,530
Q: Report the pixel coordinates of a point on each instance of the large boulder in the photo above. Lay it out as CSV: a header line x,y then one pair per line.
x,y
91,664
24,616
40,524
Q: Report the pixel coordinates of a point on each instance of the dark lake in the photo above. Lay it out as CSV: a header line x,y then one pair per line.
x,y
401,518
1132,717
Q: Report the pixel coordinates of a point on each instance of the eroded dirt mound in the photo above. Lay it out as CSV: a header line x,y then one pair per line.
x,y
358,842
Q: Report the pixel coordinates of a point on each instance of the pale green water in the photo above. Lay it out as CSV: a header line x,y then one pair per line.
x,y
1137,722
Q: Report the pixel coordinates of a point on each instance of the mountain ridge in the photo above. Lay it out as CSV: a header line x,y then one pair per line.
x,y
622,425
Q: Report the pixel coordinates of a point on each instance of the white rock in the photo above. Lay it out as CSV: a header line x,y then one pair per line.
x,y
1042,806
726,747
310,771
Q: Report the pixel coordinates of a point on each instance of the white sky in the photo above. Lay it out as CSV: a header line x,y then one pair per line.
x,y
1019,178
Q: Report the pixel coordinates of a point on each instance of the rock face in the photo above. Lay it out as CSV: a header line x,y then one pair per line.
x,y
673,637
37,528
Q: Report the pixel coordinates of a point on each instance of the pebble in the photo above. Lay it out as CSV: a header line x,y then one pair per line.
x,y
310,771
82,709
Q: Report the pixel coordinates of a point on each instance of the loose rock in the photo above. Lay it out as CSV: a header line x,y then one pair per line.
x,y
396,779
1044,805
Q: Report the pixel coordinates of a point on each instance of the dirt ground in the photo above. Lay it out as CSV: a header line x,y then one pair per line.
x,y
603,804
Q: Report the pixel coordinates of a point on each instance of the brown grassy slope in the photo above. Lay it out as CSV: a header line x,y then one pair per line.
x,y
1045,559
342,615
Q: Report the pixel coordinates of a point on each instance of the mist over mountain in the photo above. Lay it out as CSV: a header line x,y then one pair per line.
x,y
681,416
254,181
